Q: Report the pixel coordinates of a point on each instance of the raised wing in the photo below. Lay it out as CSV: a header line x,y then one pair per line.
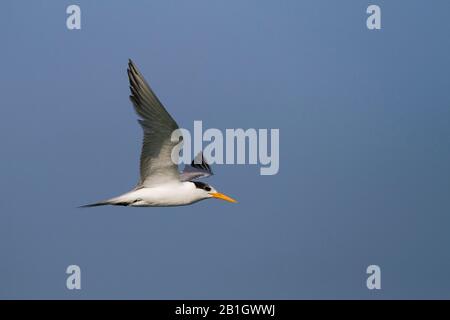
x,y
156,165
199,168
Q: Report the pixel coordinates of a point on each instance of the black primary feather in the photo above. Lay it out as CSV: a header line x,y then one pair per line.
x,y
203,165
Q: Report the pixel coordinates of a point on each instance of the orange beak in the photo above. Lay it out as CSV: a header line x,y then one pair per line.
x,y
219,195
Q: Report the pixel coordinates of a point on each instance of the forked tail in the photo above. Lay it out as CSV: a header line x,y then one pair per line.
x,y
97,204
118,201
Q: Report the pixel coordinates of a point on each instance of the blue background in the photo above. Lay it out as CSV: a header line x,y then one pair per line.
x,y
364,119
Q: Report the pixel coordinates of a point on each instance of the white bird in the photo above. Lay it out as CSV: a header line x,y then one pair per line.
x,y
160,182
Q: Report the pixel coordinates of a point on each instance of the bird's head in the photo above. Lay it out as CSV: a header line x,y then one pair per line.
x,y
208,191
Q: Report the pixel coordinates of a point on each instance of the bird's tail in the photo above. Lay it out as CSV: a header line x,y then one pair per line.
x,y
117,201
97,204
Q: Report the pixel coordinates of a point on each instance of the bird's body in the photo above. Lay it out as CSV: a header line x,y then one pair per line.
x,y
168,194
161,184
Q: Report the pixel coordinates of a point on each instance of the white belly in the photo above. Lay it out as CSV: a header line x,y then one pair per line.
x,y
175,194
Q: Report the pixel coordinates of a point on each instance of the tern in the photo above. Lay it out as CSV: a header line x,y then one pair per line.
x,y
161,184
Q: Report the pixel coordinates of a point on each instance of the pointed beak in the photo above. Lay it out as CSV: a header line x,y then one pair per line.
x,y
219,195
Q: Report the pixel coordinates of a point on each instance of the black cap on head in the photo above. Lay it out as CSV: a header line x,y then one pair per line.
x,y
201,185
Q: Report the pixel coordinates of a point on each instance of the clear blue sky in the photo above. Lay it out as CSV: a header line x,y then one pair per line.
x,y
364,119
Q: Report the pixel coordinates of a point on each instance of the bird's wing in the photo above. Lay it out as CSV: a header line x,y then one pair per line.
x,y
156,164
199,168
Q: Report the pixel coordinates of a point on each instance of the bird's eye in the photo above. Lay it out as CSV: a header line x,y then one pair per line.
x,y
207,188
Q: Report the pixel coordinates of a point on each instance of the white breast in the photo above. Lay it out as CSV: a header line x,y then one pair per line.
x,y
173,194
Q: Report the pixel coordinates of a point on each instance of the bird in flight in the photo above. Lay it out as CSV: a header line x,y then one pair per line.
x,y
161,184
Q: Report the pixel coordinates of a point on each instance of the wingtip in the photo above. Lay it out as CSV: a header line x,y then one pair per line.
x,y
131,66
132,72
200,161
